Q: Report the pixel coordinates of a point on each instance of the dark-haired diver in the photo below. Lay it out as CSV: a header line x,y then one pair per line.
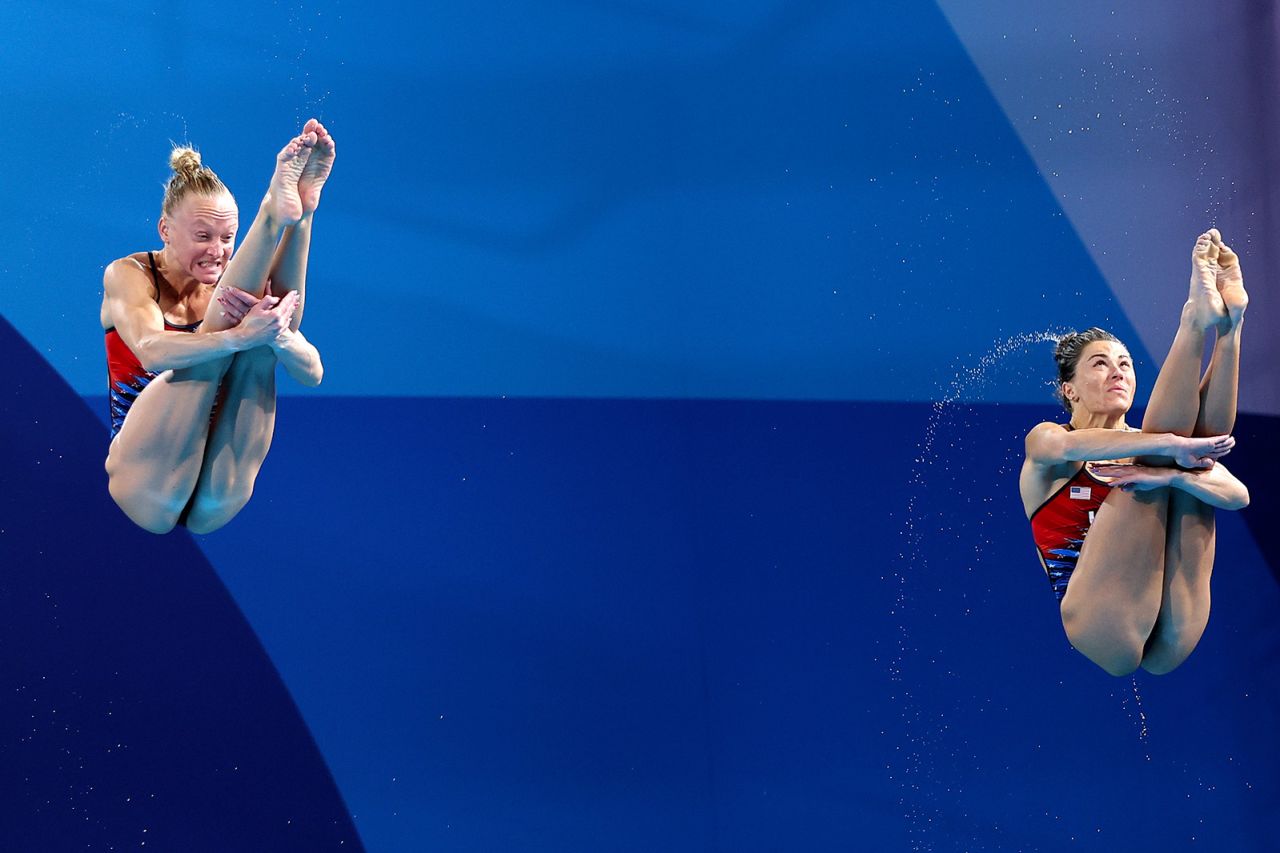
x,y
193,390
1138,591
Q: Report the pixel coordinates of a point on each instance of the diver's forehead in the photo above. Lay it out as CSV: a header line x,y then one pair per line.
x,y
210,210
1115,349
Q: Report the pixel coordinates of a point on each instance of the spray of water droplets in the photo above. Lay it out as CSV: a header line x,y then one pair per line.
x,y
1119,95
925,728
305,25
1141,718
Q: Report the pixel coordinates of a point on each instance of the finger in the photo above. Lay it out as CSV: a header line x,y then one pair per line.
x,y
289,303
231,311
238,295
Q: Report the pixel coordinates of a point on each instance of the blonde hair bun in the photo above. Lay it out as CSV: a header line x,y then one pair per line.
x,y
189,177
185,161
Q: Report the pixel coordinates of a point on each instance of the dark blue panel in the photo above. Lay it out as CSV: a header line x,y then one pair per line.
x,y
627,625
1255,457
138,707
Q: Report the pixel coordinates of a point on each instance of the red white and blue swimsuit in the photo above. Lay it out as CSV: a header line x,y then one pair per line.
x,y
1060,524
126,377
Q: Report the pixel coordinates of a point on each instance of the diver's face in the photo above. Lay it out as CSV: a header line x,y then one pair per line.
x,y
200,235
1103,383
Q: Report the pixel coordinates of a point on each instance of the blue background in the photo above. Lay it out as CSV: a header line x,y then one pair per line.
x,y
661,492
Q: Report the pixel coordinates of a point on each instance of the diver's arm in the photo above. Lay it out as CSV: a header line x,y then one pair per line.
x,y
300,357
1214,486
1049,444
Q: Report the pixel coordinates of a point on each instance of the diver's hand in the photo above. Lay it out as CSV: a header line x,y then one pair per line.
x,y
264,322
1132,477
1200,452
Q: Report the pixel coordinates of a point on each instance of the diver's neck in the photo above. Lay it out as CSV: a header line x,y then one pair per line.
x,y
183,284
1097,420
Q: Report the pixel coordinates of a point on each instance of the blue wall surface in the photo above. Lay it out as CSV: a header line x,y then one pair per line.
x,y
661,491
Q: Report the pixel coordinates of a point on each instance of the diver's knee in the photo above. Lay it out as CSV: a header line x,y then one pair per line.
x,y
1166,655
1117,651
1163,664
1116,656
144,509
1173,646
1119,665
209,512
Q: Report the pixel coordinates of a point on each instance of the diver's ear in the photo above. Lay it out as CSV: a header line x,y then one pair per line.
x,y
1069,393
163,227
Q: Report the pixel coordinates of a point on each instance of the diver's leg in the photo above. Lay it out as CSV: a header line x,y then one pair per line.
x,y
1189,549
1219,389
154,462
289,267
1184,610
280,208
238,441
1175,399
1113,597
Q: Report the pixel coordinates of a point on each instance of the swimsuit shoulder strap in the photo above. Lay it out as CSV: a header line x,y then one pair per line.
x,y
155,279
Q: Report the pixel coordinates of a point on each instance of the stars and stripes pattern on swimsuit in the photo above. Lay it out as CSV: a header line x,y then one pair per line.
x,y
126,377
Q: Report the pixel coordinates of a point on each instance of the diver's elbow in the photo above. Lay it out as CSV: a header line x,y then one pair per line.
x,y
1243,500
313,377
1236,500
148,357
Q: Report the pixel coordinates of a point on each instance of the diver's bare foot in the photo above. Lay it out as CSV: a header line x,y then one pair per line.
x,y
319,164
1205,308
283,202
1230,281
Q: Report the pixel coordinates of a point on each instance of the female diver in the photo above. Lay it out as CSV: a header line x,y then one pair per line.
x,y
193,390
1139,583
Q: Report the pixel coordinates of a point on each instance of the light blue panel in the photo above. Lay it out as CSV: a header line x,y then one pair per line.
x,y
637,200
